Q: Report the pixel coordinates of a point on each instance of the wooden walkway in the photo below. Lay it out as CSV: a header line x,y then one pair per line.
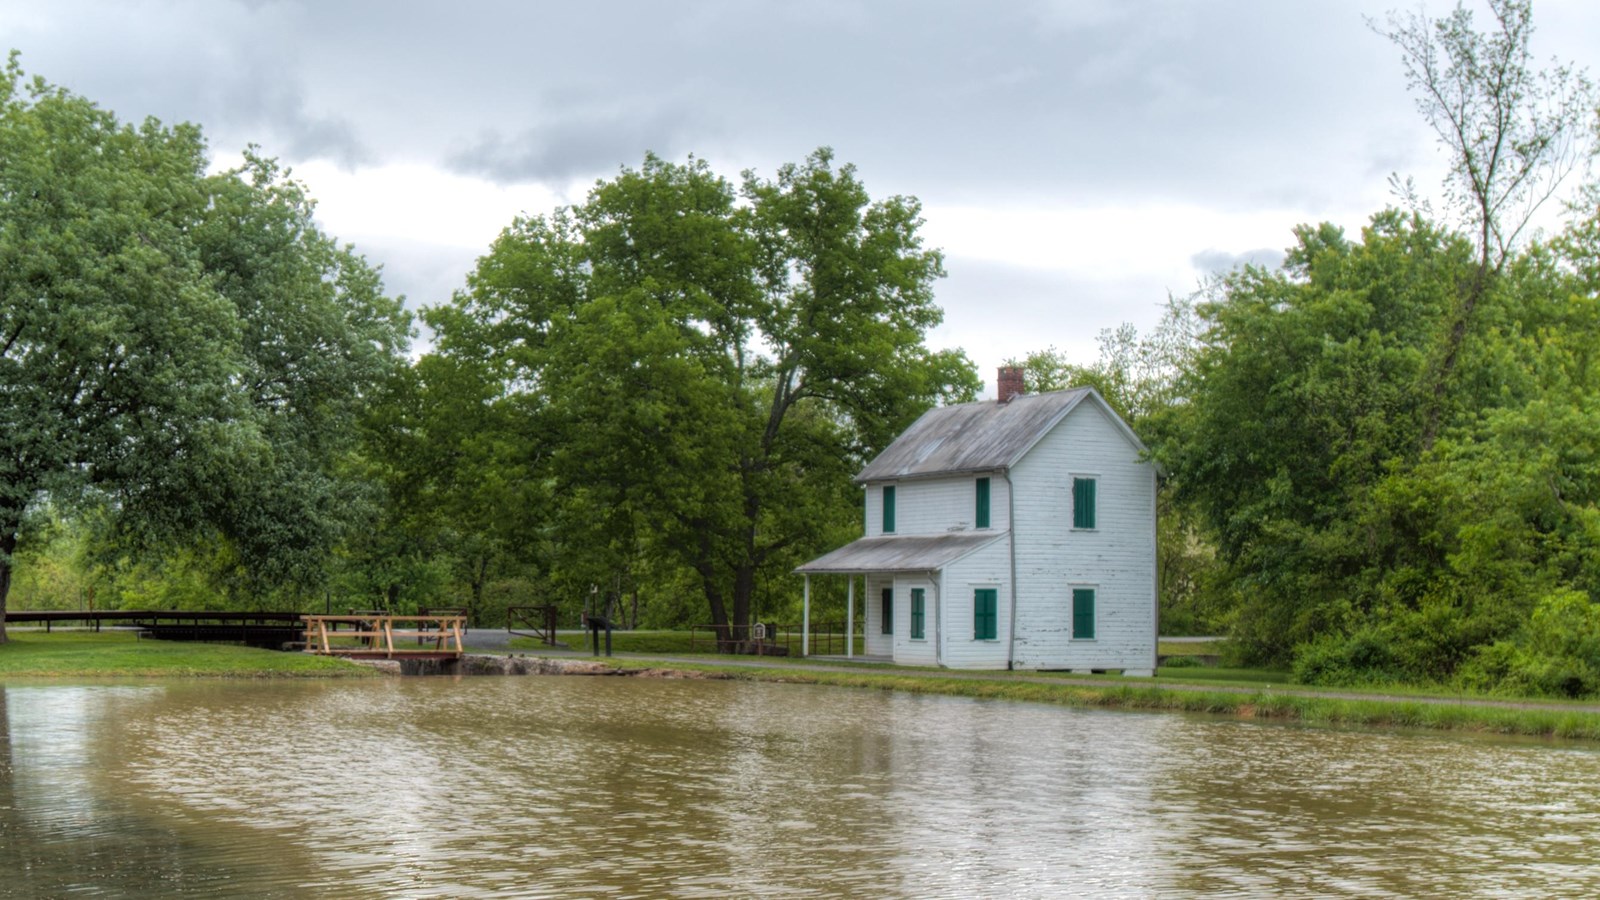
x,y
376,637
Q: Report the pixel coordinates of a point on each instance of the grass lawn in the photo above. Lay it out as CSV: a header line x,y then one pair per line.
x,y
1188,648
671,643
1266,681
73,654
1263,704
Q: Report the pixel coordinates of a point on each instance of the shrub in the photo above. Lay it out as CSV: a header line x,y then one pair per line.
x,y
1556,654
1365,657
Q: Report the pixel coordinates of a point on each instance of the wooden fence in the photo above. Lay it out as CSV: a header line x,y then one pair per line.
x,y
374,636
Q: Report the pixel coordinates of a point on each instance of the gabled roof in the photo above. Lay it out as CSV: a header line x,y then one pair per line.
x,y
899,553
979,437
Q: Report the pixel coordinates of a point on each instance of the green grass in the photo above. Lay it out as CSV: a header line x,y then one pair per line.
x,y
1189,648
1259,705
121,654
678,643
672,643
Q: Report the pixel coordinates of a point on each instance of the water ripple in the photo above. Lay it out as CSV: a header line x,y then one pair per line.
x,y
534,787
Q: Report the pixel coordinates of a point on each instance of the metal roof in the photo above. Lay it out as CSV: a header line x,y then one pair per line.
x,y
976,437
899,553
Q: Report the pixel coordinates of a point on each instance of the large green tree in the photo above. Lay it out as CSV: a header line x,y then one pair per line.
x,y
708,365
1387,438
185,347
1300,399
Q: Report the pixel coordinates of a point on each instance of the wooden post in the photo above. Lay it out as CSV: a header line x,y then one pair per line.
x,y
850,615
805,620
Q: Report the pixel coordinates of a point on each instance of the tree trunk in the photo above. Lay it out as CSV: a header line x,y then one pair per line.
x,y
8,545
1455,336
480,575
719,609
744,591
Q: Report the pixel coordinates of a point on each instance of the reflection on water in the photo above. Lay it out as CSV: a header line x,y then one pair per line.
x,y
636,788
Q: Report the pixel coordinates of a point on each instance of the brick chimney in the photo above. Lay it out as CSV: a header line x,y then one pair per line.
x,y
1010,384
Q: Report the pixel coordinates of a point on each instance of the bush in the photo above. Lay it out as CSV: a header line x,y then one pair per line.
x,y
1363,658
1556,654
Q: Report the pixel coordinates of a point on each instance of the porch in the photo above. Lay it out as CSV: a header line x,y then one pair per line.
x,y
888,561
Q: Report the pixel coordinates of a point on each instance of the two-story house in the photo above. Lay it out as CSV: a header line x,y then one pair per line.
x,y
1018,533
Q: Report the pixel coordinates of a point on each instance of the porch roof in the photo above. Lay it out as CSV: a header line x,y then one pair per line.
x,y
899,553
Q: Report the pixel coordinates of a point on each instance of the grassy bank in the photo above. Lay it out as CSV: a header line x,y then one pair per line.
x,y
1264,705
32,654
675,643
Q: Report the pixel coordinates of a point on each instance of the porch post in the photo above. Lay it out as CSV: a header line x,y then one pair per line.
x,y
805,620
849,616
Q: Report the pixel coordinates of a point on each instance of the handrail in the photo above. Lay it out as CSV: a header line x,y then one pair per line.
x,y
445,631
542,628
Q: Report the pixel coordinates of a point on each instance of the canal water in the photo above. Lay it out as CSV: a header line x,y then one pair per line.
x,y
626,787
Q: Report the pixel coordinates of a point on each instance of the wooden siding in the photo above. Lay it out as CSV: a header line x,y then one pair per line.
x,y
907,651
869,604
1116,558
938,505
986,568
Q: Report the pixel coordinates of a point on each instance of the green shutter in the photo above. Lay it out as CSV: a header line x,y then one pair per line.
x,y
918,613
888,610
985,621
1082,614
983,503
888,509
1083,503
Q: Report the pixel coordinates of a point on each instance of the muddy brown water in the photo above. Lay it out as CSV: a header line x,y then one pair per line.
x,y
611,787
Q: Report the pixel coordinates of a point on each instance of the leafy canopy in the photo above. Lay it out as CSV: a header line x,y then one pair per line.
x,y
706,365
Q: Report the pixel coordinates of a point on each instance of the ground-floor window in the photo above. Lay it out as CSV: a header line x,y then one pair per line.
x,y
918,614
985,615
888,610
1082,613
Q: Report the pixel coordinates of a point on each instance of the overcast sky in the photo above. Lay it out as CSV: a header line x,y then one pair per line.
x,y
1077,160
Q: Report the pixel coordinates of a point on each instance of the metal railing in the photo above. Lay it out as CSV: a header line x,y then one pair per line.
x,y
759,639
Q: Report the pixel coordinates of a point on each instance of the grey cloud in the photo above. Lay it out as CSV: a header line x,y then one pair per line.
x,y
292,130
1222,261
997,311
585,142
424,274
235,69
1233,104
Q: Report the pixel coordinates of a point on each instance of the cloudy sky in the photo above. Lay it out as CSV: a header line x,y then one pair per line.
x,y
1078,160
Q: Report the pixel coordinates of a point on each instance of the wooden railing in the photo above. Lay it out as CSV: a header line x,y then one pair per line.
x,y
535,621
375,635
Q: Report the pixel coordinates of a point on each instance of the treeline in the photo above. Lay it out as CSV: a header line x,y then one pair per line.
x,y
1382,457
184,359
648,405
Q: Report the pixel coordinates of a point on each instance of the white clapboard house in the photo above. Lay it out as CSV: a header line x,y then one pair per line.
x,y
1018,533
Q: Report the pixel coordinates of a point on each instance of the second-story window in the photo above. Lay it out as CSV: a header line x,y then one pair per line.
x,y
888,509
981,514
1083,503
